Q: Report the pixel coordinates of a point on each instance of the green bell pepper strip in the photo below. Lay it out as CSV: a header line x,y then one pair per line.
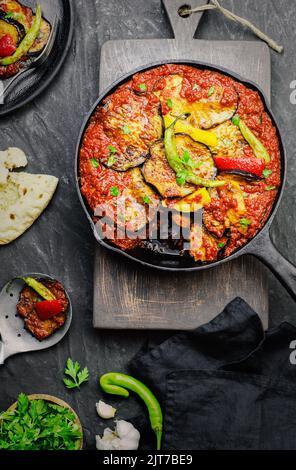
x,y
178,165
116,384
255,144
27,42
38,287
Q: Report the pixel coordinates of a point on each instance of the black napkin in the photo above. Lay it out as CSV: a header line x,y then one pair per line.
x,y
226,385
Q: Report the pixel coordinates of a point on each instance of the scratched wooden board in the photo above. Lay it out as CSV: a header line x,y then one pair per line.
x,y
127,296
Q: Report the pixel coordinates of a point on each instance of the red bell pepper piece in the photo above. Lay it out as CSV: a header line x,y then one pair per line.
x,y
48,309
249,165
7,46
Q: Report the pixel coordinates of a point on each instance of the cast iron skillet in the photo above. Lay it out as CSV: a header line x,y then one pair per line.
x,y
260,246
33,82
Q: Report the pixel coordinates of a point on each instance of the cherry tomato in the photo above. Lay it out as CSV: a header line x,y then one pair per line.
x,y
48,309
7,46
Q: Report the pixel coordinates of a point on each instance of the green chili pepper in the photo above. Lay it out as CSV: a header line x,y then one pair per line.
x,y
28,40
116,384
178,165
38,287
255,144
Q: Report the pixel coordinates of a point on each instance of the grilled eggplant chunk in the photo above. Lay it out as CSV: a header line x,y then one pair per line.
x,y
126,126
206,112
158,172
134,204
42,38
12,27
230,141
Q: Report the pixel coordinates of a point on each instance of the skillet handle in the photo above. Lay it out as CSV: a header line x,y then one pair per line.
x,y
283,269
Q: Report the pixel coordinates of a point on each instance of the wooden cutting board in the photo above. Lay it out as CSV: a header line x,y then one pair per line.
x,y
127,296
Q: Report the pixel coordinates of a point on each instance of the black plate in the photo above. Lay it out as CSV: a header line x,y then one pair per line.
x,y
31,83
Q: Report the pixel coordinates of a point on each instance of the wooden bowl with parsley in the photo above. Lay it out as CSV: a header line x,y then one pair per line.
x,y
40,422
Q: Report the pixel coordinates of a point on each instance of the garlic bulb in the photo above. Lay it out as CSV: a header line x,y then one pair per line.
x,y
124,437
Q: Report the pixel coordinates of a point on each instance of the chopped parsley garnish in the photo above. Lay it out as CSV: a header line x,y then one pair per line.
x,y
266,173
19,17
186,156
236,120
8,15
245,195
245,222
77,376
181,178
146,200
143,87
114,191
111,160
126,130
211,91
94,162
112,149
195,86
270,188
221,245
169,103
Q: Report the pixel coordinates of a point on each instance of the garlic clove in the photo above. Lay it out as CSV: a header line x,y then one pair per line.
x,y
105,411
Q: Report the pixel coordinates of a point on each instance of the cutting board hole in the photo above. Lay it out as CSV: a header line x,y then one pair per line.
x,y
6,316
11,295
19,335
182,9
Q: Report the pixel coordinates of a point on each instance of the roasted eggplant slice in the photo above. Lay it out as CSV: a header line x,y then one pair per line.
x,y
243,174
125,127
158,172
12,27
137,198
42,38
230,141
209,110
18,12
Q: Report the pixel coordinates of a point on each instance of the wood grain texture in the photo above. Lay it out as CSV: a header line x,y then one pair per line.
x,y
127,296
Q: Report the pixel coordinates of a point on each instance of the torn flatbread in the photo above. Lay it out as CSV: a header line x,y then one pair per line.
x,y
23,198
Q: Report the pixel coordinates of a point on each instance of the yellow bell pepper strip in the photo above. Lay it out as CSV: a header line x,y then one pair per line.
x,y
199,135
193,202
255,144
116,384
38,287
179,166
27,42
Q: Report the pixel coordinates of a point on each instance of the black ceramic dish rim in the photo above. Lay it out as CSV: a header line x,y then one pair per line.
x,y
248,248
55,71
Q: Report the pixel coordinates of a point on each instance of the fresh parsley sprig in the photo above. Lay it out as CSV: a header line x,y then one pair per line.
x,y
78,376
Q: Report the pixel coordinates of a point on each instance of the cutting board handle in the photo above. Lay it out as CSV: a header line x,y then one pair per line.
x,y
183,28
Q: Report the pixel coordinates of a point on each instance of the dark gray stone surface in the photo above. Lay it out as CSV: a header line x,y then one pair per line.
x,y
60,242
